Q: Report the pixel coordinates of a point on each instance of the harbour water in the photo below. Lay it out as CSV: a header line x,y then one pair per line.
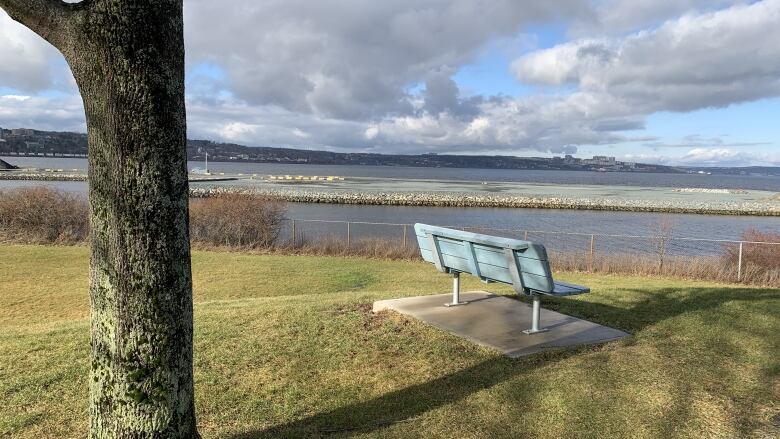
x,y
749,182
579,221
547,220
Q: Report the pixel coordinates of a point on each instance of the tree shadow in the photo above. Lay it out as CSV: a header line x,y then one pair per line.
x,y
657,305
406,404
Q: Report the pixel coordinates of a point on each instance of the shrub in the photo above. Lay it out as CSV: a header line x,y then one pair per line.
x,y
758,260
42,215
374,248
240,221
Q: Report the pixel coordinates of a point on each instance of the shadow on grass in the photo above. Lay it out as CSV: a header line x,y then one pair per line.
x,y
406,404
648,307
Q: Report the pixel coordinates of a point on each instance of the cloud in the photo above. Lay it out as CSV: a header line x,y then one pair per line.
x,y
232,119
24,58
697,61
62,114
693,62
727,157
442,94
696,140
620,16
352,75
351,59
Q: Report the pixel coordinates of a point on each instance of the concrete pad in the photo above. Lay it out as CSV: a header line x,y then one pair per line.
x,y
498,322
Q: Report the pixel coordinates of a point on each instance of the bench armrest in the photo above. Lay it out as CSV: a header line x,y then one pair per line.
x,y
566,289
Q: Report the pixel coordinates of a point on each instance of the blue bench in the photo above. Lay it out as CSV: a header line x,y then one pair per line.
x,y
522,264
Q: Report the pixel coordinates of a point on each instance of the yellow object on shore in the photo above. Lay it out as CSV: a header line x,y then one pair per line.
x,y
302,178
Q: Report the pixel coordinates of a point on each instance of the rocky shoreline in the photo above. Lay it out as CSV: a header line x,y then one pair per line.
x,y
43,176
443,199
456,199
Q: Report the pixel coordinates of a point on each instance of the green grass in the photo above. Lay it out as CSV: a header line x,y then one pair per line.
x,y
286,347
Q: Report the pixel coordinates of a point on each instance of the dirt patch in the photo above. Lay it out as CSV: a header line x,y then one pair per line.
x,y
362,308
372,321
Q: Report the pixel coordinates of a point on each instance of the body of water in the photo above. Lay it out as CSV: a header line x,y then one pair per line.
x,y
559,230
565,221
515,175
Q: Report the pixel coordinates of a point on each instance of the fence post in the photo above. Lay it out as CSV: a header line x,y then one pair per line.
x,y
293,233
592,252
348,234
404,235
525,238
739,264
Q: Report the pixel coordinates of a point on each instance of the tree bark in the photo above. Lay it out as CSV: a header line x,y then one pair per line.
x,y
128,60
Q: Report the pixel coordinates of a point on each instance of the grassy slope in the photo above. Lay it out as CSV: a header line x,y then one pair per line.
x,y
286,347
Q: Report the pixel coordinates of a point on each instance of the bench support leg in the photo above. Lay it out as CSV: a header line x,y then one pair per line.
x,y
537,311
455,291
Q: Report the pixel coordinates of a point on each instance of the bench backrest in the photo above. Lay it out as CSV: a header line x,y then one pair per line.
x,y
522,264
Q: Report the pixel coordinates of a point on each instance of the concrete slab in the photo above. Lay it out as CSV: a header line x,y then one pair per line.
x,y
498,322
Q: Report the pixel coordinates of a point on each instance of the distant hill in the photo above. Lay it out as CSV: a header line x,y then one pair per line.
x,y
30,142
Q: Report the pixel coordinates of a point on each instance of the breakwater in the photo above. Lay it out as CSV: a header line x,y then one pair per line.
x,y
464,194
42,176
449,199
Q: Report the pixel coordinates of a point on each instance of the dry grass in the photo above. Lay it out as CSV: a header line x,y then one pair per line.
x,y
235,221
372,248
711,268
759,260
43,216
285,346
757,270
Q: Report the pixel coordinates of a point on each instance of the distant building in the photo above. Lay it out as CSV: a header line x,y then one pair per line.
x,y
571,160
22,132
601,161
604,160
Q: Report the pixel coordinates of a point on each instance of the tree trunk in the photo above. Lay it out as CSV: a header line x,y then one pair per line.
x,y
128,61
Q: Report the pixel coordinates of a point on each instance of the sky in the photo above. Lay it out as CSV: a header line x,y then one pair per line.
x,y
689,82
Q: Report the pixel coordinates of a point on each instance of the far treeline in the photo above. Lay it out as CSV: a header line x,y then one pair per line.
x,y
30,142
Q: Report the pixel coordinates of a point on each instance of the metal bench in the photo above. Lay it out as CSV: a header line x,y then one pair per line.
x,y
522,264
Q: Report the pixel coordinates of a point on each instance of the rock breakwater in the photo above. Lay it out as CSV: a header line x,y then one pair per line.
x,y
42,176
448,199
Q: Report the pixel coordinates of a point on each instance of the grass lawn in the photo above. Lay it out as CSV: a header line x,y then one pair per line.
x,y
287,347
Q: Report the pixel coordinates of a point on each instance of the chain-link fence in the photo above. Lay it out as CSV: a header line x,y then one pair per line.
x,y
636,254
